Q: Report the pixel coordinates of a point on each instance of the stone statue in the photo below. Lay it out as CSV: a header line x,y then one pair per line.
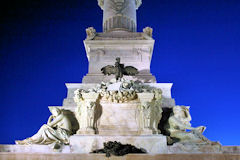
x,y
86,110
148,31
146,112
150,109
91,33
57,130
177,125
119,70
151,114
90,114
157,113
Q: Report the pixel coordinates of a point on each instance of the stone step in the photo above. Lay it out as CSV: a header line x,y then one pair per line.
x,y
25,156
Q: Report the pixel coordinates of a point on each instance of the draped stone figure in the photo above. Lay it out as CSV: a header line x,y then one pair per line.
x,y
90,114
57,130
179,123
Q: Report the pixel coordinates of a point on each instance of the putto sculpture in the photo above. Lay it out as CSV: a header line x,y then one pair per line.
x,y
119,70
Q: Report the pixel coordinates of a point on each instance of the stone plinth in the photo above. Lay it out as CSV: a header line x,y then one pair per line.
x,y
154,144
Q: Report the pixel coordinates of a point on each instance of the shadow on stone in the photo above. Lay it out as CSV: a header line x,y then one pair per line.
x,y
72,118
163,125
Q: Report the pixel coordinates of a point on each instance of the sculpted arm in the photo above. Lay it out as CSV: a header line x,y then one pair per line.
x,y
175,122
50,119
55,121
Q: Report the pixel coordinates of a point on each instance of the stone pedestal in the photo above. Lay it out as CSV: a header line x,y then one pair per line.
x,y
153,144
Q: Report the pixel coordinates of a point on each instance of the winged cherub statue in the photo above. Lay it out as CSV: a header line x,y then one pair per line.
x,y
119,70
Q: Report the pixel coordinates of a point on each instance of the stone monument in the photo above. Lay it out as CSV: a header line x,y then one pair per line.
x,y
120,102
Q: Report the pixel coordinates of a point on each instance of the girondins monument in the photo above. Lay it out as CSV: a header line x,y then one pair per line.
x,y
119,99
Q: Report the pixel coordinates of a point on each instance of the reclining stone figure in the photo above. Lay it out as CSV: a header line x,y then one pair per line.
x,y
57,130
179,123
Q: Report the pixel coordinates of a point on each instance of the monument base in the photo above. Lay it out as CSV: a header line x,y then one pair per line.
x,y
154,144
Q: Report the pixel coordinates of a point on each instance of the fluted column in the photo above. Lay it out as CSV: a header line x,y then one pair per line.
x,y
119,14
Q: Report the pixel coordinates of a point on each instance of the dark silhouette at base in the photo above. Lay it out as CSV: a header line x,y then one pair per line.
x,y
118,149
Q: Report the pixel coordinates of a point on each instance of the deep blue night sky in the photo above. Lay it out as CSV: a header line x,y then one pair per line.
x,y
197,48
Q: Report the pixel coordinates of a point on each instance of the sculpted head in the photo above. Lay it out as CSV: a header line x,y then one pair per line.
x,y
182,112
55,111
